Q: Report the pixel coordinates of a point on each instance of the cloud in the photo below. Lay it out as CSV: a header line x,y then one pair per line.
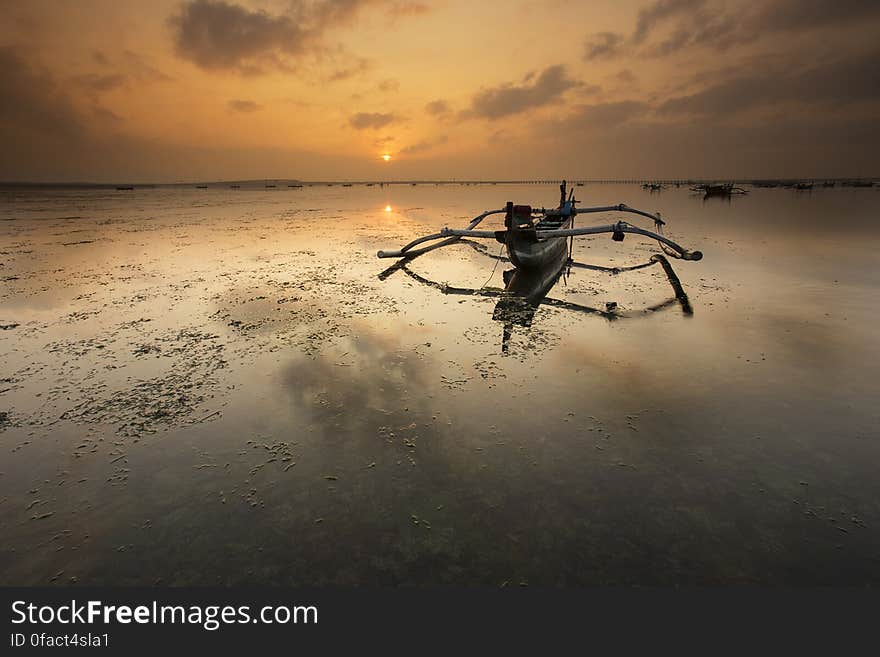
x,y
625,76
499,138
424,146
659,11
786,15
136,70
359,66
127,65
599,117
31,101
602,45
709,26
789,146
509,99
688,23
389,85
847,80
589,90
244,106
438,107
218,35
374,120
140,69
44,135
101,83
383,373
406,9
106,115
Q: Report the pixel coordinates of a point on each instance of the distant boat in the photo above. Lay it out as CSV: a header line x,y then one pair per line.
x,y
653,187
124,188
346,185
803,187
295,186
269,186
201,187
724,190
234,186
369,184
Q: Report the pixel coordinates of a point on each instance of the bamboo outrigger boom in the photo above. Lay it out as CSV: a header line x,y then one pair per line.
x,y
619,227
451,235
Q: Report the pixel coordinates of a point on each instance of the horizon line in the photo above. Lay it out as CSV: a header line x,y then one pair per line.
x,y
444,181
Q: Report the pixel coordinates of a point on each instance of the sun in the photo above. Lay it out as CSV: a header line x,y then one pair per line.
x,y
386,157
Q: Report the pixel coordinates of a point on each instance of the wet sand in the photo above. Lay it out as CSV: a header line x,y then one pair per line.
x,y
217,387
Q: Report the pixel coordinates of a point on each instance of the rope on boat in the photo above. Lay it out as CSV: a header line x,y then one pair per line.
x,y
482,250
497,260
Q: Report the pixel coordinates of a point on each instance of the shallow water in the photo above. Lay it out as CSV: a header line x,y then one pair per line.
x,y
216,387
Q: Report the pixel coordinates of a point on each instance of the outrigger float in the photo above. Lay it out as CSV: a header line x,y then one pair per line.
x,y
539,245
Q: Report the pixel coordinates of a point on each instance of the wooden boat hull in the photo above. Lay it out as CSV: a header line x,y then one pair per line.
x,y
529,253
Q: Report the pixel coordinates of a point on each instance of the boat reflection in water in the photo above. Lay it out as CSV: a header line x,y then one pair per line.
x,y
527,290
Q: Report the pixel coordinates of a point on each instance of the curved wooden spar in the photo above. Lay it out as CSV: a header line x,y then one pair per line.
x,y
619,227
621,207
407,252
450,236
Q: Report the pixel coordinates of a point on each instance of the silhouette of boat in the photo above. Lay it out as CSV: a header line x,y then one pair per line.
x,y
725,190
535,238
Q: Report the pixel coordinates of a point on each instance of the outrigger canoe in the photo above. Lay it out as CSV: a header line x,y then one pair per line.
x,y
538,245
536,239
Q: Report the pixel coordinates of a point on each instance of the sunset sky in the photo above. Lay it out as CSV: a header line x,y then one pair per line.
x,y
123,90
